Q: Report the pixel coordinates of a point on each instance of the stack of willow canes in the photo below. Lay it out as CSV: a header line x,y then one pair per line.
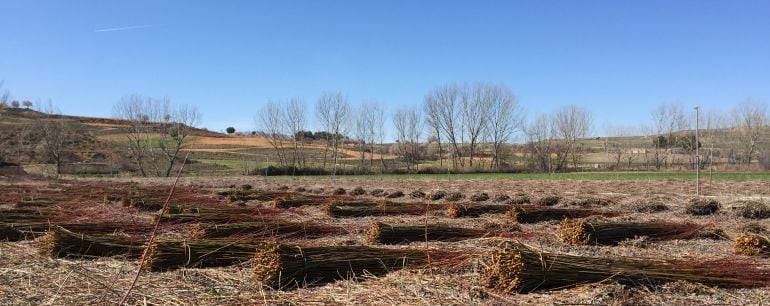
x,y
263,229
282,266
516,268
752,245
382,208
59,242
581,232
534,214
167,255
395,234
474,210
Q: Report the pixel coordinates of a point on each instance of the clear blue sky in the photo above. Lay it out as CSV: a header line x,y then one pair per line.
x,y
618,58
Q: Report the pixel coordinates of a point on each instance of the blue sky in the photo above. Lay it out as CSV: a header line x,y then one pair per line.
x,y
617,58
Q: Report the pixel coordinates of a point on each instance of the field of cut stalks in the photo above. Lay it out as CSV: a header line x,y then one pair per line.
x,y
246,240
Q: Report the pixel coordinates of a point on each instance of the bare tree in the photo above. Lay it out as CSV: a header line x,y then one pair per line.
x,y
475,106
58,135
132,108
570,124
295,123
445,112
333,111
666,120
178,122
750,118
539,143
5,96
504,119
270,121
431,107
408,124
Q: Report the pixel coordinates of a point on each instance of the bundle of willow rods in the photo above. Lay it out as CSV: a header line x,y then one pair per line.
x,y
394,234
28,231
59,242
249,195
516,268
21,231
281,266
220,215
295,201
474,210
384,208
581,232
752,245
166,255
274,228
534,214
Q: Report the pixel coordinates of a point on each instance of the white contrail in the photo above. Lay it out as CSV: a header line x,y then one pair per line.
x,y
126,28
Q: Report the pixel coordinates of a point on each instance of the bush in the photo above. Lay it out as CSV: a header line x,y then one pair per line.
x,y
480,197
230,130
702,207
755,210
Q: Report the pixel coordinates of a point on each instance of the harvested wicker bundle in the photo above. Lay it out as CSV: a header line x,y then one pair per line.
x,y
455,196
281,266
19,232
534,214
474,210
358,191
59,242
518,199
417,194
591,202
395,194
550,200
273,228
755,210
251,195
580,232
166,255
702,207
501,197
384,208
436,195
377,192
394,234
221,215
480,197
752,245
515,268
648,206
294,201
339,191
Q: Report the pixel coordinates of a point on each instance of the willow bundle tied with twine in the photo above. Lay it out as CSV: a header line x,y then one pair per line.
x,y
166,255
382,208
581,232
752,245
282,266
21,231
394,234
250,195
474,210
516,268
220,215
296,201
273,228
59,242
534,214
28,231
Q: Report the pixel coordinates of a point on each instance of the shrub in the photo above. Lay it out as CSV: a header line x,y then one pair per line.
x,y
230,130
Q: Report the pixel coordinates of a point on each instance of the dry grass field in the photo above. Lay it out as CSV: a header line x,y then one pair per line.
x,y
38,269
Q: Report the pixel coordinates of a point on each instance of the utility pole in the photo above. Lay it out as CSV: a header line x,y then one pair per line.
x,y
697,151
